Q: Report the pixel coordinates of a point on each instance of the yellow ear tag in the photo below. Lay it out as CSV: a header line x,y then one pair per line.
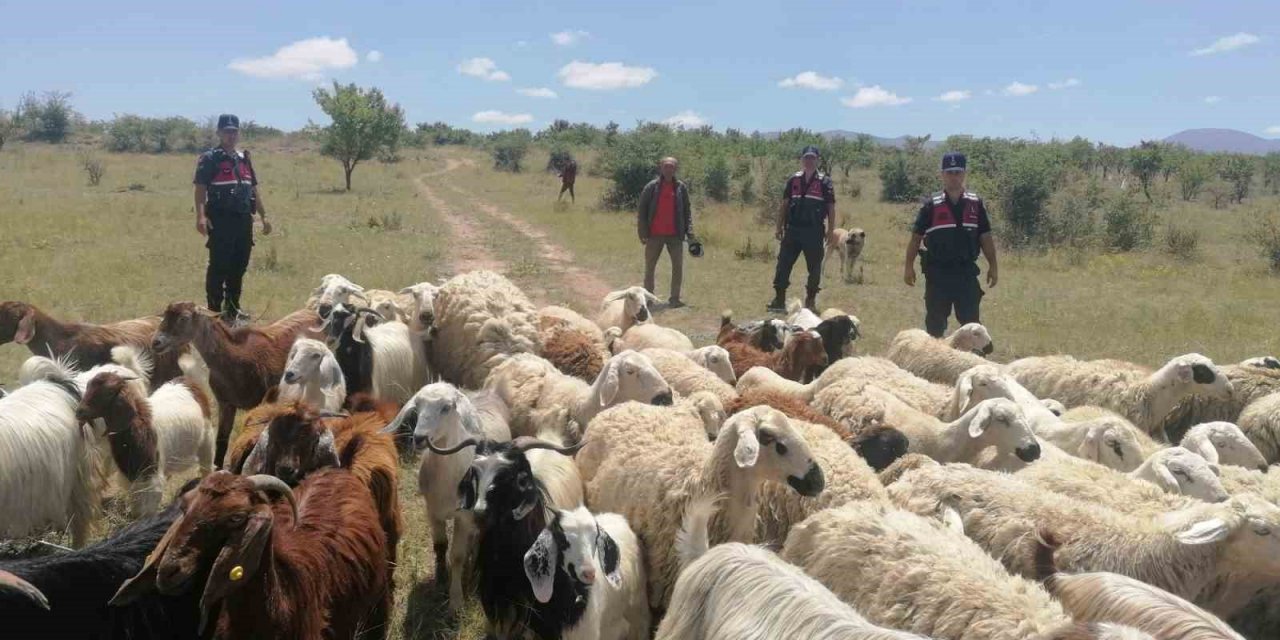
x,y
237,572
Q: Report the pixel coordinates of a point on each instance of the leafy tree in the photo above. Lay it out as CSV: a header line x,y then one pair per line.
x,y
716,182
1146,161
895,179
1238,170
610,132
509,148
46,119
1023,190
1271,171
7,127
1192,176
1127,225
364,125
1110,159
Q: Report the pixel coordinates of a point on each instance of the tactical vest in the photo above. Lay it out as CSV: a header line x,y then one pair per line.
x,y
231,190
808,203
951,242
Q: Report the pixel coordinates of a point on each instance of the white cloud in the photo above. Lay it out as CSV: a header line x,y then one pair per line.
x,y
538,92
1212,99
688,119
811,80
1273,130
483,68
373,56
874,96
604,76
568,38
520,44
499,117
305,59
1019,89
1065,84
955,95
1227,43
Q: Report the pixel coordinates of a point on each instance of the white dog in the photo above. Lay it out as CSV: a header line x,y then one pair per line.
x,y
848,244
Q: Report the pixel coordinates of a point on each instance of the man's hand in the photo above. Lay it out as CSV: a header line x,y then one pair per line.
x,y
266,227
993,276
644,240
202,225
777,234
909,275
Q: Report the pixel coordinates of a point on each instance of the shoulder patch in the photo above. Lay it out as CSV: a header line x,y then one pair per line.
x,y
798,174
971,195
938,197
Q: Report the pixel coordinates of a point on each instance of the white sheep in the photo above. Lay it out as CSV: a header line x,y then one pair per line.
x,y
735,591
631,428
556,315
687,376
48,463
1260,421
626,308
1195,553
929,397
1251,380
652,488
1054,407
312,375
1225,444
1106,442
481,320
1159,484
599,556
912,573
542,399
651,336
444,416
765,379
940,360
1141,395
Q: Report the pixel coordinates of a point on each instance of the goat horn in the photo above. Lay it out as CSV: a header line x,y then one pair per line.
x,y
272,485
10,582
361,295
527,443
333,414
469,442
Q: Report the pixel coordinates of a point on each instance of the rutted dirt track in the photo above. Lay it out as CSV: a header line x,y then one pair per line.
x,y
468,249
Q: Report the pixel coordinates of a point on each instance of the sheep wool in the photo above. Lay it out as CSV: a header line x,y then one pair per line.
x,y
482,319
631,429
686,377
1250,381
652,336
931,358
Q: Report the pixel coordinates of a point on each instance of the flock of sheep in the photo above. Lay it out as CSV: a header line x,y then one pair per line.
x,y
603,478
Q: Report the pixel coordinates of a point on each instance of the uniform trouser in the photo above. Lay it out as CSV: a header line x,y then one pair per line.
x,y
653,250
230,242
790,251
567,186
942,293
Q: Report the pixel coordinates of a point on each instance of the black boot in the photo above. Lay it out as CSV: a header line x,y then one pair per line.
x,y
811,300
779,304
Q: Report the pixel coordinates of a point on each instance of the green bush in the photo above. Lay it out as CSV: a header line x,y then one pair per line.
x,y
716,181
631,162
895,179
1193,174
1182,242
136,134
1267,236
509,149
45,119
1238,170
1023,191
1127,224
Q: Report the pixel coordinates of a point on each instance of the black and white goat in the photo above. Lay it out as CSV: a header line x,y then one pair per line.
x,y
376,356
578,548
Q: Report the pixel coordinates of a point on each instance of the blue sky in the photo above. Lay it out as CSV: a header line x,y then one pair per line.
x,y
878,67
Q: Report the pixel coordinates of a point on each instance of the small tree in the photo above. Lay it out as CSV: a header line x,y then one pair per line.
x,y
364,125
1192,176
1238,170
509,149
1219,193
7,127
93,168
1127,225
716,181
1024,188
46,119
1146,162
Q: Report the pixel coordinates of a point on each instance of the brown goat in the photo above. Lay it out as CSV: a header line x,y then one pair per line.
x,y
762,335
805,350
573,352
243,362
291,440
879,445
312,566
89,344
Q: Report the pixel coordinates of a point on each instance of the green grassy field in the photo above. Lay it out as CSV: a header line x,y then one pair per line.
x,y
114,251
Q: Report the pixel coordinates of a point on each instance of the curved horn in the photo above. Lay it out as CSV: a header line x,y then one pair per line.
x,y
529,443
357,333
361,295
10,582
272,485
469,442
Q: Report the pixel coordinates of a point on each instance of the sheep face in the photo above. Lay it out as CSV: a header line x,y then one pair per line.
x,y
630,375
1111,445
17,322
179,325
636,303
1177,470
424,303
304,360
1000,422
389,310
983,382
710,410
1196,372
768,444
716,360
1224,443
1260,362
574,542
973,337
880,446
438,409
1251,528
334,290
296,442
1054,407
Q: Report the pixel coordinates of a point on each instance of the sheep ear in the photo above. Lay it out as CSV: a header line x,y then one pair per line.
x,y
236,562
964,394
747,451
1204,532
325,451
1203,448
145,581
1165,478
26,327
952,520
540,565
650,298
1217,471
609,559
979,422
1091,446
609,388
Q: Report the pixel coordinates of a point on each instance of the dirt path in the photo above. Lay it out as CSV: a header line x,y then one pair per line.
x,y
469,251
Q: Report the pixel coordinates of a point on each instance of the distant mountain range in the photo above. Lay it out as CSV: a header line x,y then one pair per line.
x,y
1209,140
1229,140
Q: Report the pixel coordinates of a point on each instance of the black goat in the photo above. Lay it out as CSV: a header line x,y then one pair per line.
x,y
510,507
838,334
344,330
79,584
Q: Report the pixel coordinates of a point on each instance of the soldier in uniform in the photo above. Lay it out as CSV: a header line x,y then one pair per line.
x,y
953,226
226,195
806,219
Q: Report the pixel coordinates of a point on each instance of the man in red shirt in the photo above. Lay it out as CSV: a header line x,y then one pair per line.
x,y
664,220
